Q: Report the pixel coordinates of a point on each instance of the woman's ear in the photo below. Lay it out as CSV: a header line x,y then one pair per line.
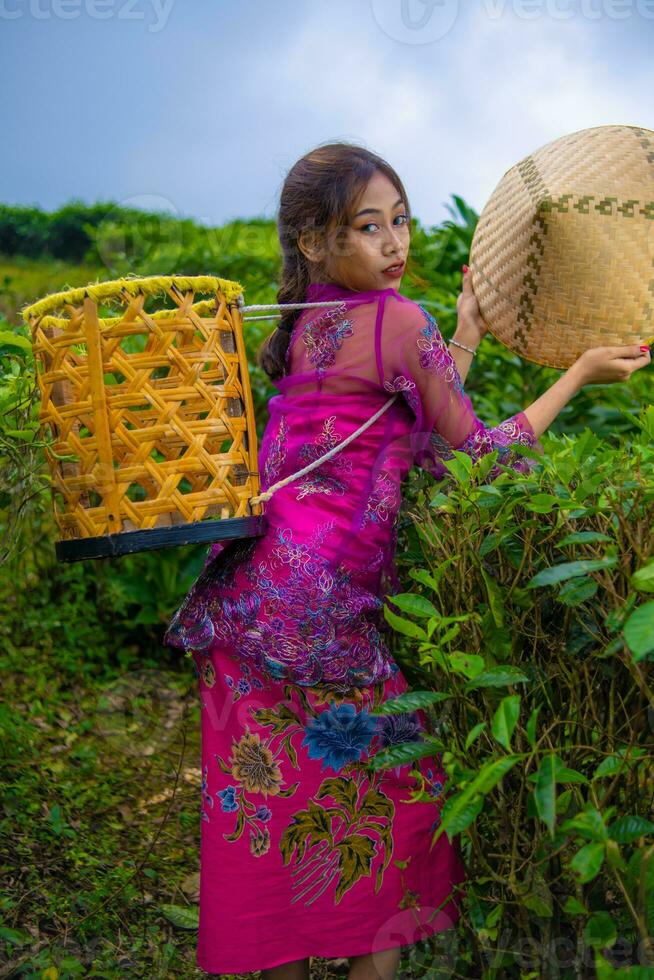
x,y
311,245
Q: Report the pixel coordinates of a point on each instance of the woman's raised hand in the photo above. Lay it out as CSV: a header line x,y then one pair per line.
x,y
596,365
470,323
602,365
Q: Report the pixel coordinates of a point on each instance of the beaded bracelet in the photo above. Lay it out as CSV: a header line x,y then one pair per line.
x,y
463,346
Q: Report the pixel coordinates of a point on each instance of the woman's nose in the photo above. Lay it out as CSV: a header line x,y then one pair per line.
x,y
393,240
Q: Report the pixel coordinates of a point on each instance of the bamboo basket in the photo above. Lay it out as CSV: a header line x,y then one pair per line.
x,y
153,411
562,258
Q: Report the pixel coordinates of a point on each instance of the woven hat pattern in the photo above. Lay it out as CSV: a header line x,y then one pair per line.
x,y
562,258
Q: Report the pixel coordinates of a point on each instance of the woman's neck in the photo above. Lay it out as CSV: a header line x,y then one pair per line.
x,y
318,291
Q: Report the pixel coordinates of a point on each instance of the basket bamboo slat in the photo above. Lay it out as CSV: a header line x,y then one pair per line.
x,y
155,409
562,258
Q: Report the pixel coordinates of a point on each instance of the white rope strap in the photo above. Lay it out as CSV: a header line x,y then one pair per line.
x,y
267,494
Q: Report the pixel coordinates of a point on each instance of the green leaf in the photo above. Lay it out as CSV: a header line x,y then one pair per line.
x,y
15,340
492,772
605,971
531,727
456,815
569,569
25,435
542,503
415,605
565,775
490,543
468,664
488,776
639,631
572,906
17,937
432,580
460,466
482,468
577,590
404,626
587,823
505,719
583,537
608,766
643,578
499,676
409,701
539,900
545,791
403,752
600,930
625,830
182,917
495,600
474,733
587,862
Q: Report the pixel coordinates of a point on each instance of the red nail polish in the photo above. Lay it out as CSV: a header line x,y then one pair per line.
x,y
644,347
465,268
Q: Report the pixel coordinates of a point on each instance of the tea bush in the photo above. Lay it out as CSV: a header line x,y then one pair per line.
x,y
531,627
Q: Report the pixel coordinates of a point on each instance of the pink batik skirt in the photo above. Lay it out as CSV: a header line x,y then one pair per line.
x,y
303,851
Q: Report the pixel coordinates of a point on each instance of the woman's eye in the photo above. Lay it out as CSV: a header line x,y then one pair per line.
x,y
372,224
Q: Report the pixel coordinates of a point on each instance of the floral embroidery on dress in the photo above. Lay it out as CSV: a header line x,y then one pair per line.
x,y
502,437
323,479
207,798
276,455
254,768
243,685
302,618
345,832
481,441
400,383
435,354
383,500
323,337
207,671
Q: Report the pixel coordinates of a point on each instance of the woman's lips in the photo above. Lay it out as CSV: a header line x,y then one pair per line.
x,y
393,271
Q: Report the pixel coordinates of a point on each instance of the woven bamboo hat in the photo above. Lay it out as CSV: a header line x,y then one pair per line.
x,y
562,258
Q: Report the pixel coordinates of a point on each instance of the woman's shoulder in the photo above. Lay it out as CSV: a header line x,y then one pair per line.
x,y
406,313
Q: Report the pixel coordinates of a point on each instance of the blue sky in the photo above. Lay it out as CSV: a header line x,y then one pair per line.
x,y
200,107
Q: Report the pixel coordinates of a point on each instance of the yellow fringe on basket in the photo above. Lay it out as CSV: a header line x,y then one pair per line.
x,y
148,285
204,307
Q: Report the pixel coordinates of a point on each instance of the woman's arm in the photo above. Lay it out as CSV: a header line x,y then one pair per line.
x,y
470,326
463,358
597,365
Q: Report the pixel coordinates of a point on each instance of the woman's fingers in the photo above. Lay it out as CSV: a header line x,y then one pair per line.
x,y
632,350
632,362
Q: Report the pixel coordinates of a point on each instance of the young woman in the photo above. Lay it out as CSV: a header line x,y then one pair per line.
x,y
305,852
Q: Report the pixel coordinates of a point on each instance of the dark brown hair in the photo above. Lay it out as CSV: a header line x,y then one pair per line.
x,y
318,195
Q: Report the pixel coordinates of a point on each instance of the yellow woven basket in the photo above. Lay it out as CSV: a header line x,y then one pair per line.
x,y
153,409
562,258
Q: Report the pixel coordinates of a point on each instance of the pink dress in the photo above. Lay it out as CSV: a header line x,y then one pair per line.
x,y
305,852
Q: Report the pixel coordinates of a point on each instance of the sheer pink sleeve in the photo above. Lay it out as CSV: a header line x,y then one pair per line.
x,y
417,362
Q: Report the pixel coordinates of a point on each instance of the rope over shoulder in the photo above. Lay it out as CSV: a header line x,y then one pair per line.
x,y
267,494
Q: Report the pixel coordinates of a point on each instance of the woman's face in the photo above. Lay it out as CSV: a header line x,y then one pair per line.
x,y
361,255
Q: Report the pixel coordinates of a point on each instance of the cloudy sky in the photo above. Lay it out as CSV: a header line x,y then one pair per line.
x,y
201,106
